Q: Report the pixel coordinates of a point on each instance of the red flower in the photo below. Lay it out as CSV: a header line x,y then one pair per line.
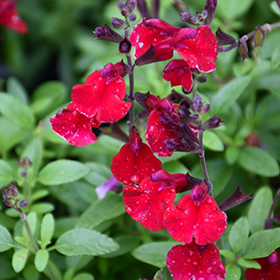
x,y
150,32
74,127
101,96
201,51
270,268
199,262
178,72
196,214
9,16
135,161
148,202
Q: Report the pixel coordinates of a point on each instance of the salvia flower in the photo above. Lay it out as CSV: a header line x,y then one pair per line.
x,y
9,16
196,214
135,161
190,261
111,185
270,268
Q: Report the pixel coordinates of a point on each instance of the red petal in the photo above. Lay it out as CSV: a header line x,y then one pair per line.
x,y
178,73
73,126
100,98
186,261
200,52
269,270
201,218
146,204
9,17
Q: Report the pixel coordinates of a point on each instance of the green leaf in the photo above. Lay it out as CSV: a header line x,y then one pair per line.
x,y
30,272
64,224
32,221
175,166
38,195
6,172
34,151
233,272
101,210
248,263
16,111
19,260
239,234
275,60
6,241
258,161
41,260
42,208
154,253
77,262
85,242
229,93
259,209
163,274
228,254
212,141
99,173
84,276
61,172
126,243
262,244
47,229
15,88
232,154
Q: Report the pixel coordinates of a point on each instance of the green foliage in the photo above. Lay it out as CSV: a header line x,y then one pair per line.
x,y
6,241
233,272
239,234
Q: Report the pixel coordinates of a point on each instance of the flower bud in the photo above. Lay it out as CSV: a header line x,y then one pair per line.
x,y
224,38
202,79
120,5
259,36
213,122
22,203
243,48
10,194
210,8
186,17
118,23
132,17
130,5
107,34
25,163
199,17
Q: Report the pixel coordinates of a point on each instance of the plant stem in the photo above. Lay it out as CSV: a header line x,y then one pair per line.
x,y
277,196
202,159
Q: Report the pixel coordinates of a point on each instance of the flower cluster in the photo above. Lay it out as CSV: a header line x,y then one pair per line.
x,y
9,16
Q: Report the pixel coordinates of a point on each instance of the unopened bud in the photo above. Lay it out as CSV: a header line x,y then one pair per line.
x,y
125,46
130,5
204,14
199,17
10,194
24,163
194,116
213,122
206,108
224,38
22,203
118,23
210,8
120,5
108,34
202,79
124,12
132,17
186,17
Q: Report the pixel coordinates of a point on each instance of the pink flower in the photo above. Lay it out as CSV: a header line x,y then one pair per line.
x,y
74,127
135,161
196,214
200,262
9,16
101,96
270,268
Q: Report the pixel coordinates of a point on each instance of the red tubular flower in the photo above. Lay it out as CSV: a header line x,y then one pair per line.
x,y
201,51
199,262
101,96
74,127
196,214
178,72
135,161
9,16
270,268
148,202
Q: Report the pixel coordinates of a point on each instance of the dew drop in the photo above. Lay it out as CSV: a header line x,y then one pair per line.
x,y
209,201
195,227
128,210
208,270
195,263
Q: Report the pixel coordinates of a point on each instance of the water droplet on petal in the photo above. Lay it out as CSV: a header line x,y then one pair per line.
x,y
195,263
209,201
128,210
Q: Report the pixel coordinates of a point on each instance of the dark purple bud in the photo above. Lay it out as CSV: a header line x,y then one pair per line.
x,y
194,20
224,38
112,184
186,91
204,13
213,122
8,201
118,23
206,108
143,114
147,57
268,224
130,5
24,163
120,5
141,98
124,12
259,36
243,48
199,17
22,203
202,79
210,7
197,104
11,191
107,34
194,116
132,17
174,144
235,199
142,7
125,46
169,119
276,219
186,17
23,173
189,140
278,3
